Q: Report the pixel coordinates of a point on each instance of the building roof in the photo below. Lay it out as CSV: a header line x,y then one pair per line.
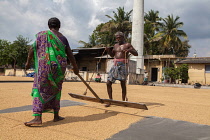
x,y
104,56
160,56
86,49
199,60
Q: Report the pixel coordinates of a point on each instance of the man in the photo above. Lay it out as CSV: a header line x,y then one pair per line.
x,y
98,78
50,52
145,78
119,70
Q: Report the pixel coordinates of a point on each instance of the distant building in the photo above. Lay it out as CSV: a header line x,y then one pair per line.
x,y
199,69
95,60
87,59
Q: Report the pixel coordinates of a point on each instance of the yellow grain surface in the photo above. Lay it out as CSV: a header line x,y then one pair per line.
x,y
93,121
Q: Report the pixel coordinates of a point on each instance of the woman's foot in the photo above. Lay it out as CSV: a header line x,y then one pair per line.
x,y
58,118
36,121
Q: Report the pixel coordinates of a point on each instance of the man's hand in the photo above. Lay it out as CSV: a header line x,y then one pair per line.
x,y
126,50
107,49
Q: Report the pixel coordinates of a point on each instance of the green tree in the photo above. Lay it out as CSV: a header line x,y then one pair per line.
x,y
169,36
184,73
183,50
180,72
120,21
103,35
4,58
151,26
173,73
92,42
16,52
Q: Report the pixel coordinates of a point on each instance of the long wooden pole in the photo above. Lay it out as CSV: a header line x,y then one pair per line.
x,y
93,92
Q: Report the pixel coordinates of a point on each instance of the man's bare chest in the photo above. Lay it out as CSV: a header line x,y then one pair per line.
x,y
120,48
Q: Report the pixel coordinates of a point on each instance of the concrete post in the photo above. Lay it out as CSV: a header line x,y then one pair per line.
x,y
138,34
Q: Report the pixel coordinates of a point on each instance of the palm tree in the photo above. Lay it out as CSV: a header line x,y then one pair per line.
x,y
152,19
183,50
92,42
169,36
119,22
151,26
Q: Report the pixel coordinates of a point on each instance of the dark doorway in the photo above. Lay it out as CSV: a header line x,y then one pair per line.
x,y
154,74
84,68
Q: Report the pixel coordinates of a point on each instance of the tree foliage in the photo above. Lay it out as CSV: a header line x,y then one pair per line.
x,y
152,23
4,51
161,35
103,35
178,73
14,54
169,36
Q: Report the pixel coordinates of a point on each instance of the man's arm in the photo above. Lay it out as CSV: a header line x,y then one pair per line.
x,y
132,50
110,51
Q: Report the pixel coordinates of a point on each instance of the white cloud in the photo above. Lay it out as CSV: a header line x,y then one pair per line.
x,y
23,2
80,17
94,22
59,1
201,47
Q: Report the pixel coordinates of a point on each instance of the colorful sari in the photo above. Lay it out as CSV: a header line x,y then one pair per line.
x,y
50,66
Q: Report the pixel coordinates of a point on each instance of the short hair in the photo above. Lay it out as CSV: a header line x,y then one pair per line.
x,y
54,23
119,34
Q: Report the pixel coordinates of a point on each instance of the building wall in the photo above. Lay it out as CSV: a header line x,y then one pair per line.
x,y
154,64
19,72
197,74
207,78
89,63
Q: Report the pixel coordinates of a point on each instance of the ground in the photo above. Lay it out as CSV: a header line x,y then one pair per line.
x,y
93,121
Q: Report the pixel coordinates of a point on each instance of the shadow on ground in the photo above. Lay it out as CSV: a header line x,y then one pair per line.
x,y
71,119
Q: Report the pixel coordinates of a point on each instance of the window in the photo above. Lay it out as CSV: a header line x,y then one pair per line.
x,y
84,68
207,69
99,66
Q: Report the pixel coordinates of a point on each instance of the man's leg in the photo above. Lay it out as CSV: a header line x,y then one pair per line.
x,y
123,86
109,90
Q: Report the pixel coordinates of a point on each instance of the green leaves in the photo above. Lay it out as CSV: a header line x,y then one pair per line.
x,y
168,36
180,72
103,35
15,53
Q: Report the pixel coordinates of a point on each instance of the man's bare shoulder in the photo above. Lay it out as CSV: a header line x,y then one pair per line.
x,y
128,44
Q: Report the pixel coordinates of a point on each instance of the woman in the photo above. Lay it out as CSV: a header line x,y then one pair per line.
x,y
50,52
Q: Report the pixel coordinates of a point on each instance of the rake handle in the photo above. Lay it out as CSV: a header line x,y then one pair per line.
x,y
93,92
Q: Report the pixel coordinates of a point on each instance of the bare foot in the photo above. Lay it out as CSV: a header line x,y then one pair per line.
x,y
108,105
59,118
33,122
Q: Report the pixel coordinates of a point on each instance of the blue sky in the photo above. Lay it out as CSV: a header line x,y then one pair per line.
x,y
80,17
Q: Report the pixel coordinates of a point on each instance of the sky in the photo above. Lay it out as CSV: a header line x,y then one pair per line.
x,y
79,18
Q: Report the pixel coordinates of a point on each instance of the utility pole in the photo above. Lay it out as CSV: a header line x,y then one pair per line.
x,y
138,35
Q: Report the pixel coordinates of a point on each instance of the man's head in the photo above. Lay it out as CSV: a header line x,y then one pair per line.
x,y
119,37
54,23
